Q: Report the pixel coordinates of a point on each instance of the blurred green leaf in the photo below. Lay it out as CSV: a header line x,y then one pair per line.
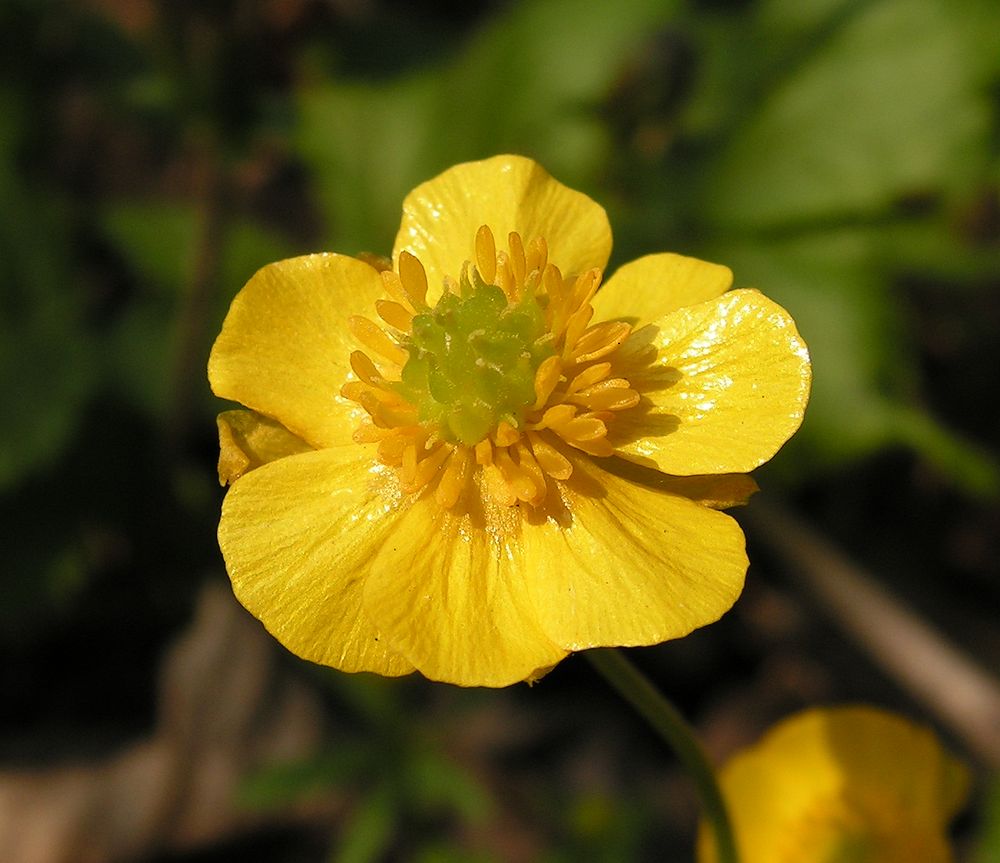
x,y
46,355
517,87
887,105
369,831
856,130
159,242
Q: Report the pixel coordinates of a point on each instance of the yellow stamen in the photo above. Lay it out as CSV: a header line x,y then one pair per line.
x,y
484,452
588,377
454,478
365,369
553,462
374,337
600,340
486,254
414,279
395,315
546,378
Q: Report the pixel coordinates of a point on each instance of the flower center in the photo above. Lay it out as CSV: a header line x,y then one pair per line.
x,y
497,384
472,360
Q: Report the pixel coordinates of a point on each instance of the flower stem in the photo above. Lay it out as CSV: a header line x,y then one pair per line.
x,y
635,688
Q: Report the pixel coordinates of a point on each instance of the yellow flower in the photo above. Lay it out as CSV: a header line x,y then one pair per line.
x,y
842,785
471,462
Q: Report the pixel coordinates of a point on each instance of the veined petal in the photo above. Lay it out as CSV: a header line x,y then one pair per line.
x,y
298,536
508,193
452,598
248,440
630,565
284,347
650,287
727,386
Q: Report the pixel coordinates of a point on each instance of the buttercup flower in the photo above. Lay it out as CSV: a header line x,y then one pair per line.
x,y
472,462
842,785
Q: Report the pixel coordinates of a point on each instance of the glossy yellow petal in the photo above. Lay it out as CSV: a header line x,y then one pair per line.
x,y
452,598
646,289
625,564
284,347
298,536
248,440
508,193
727,386
827,782
718,491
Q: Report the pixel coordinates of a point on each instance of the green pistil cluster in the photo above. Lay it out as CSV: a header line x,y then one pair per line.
x,y
473,360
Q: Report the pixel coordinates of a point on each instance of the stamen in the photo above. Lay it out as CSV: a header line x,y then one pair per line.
x,y
365,369
486,254
427,467
546,378
394,288
414,279
505,434
553,462
395,315
610,395
537,256
575,326
374,337
484,452
454,478
588,377
505,277
600,340
517,262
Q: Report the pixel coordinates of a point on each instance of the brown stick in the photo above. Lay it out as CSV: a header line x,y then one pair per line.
x,y
963,695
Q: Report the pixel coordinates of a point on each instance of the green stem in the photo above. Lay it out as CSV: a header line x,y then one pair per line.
x,y
635,688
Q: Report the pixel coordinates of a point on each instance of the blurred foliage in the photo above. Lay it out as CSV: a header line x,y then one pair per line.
x,y
842,155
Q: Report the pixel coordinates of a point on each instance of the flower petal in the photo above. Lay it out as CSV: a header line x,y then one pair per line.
x,y
646,289
452,598
248,440
508,193
718,491
832,778
630,565
284,347
726,386
298,536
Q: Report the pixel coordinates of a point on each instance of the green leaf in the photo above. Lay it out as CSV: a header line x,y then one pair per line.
x,y
530,83
888,105
160,242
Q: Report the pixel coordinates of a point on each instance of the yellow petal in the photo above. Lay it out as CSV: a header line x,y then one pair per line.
x,y
718,491
508,193
727,386
626,564
248,440
284,349
452,598
826,780
646,289
298,536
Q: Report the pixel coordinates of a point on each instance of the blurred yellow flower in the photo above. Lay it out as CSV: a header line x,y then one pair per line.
x,y
842,785
471,462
